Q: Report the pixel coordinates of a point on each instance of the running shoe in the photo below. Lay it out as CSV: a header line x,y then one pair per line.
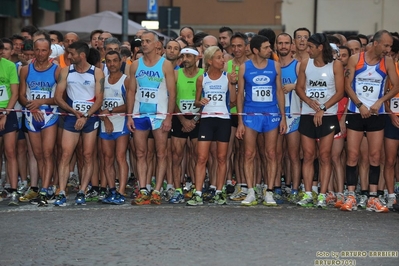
x,y
29,195
168,194
340,200
102,195
117,199
60,200
321,202
91,195
396,188
73,181
195,200
22,188
130,182
177,197
306,201
239,194
218,199
155,198
382,200
80,199
374,204
391,202
250,200
350,203
188,194
331,198
269,200
278,196
142,199
293,197
14,199
229,189
362,202
209,194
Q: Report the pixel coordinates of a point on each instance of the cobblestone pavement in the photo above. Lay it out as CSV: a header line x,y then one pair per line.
x,y
98,234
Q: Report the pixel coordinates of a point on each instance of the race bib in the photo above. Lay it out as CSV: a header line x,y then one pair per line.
x,y
112,102
3,93
262,94
37,95
148,95
395,105
82,106
368,89
187,106
216,99
316,93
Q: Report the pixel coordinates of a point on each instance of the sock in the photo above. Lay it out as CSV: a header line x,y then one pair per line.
x,y
81,191
112,190
95,188
169,186
364,192
148,186
35,189
43,190
25,183
373,194
392,195
351,193
199,193
315,189
251,191
218,191
244,185
380,192
212,187
309,193
62,192
228,182
277,190
103,189
71,174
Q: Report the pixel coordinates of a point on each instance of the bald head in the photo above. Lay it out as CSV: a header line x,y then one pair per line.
x,y
208,41
70,38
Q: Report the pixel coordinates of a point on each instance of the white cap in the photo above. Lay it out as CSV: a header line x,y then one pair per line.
x,y
56,50
334,47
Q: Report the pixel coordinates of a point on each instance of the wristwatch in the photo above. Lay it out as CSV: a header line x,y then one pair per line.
x,y
86,115
4,112
110,109
322,107
358,105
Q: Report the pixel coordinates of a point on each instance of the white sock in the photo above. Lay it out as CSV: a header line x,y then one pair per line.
x,y
169,186
309,193
212,187
315,189
70,174
392,195
148,186
228,182
218,191
199,193
251,191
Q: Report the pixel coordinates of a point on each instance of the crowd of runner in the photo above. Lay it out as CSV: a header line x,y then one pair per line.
x,y
305,119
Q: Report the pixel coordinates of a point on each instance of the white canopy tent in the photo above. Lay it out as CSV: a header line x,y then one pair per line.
x,y
106,20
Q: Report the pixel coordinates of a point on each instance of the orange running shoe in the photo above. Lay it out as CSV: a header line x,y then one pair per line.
x,y
331,198
340,200
374,204
142,199
155,198
350,204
